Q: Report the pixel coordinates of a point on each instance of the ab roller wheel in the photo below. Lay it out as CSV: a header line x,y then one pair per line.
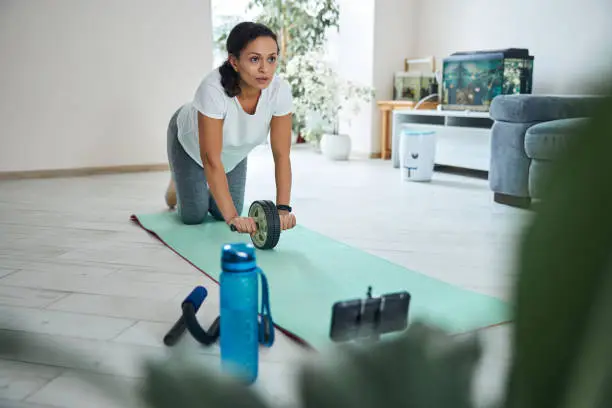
x,y
267,220
268,223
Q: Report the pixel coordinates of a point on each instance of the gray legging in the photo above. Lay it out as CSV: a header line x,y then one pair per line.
x,y
194,200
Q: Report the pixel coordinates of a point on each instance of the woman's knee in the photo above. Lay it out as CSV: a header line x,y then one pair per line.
x,y
192,217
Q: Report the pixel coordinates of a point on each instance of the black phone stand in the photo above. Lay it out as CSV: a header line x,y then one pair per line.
x,y
367,319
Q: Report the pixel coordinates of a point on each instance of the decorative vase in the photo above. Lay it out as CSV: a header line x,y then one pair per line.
x,y
336,146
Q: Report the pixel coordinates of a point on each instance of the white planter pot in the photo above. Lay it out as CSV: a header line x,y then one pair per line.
x,y
336,147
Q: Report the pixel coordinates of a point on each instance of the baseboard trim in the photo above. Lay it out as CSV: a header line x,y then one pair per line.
x,y
82,171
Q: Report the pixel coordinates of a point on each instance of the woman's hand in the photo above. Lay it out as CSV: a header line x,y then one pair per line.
x,y
248,225
244,224
287,220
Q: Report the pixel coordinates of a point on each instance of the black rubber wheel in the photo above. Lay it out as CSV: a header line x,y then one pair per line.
x,y
266,217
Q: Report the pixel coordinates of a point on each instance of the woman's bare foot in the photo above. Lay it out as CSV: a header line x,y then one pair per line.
x,y
171,195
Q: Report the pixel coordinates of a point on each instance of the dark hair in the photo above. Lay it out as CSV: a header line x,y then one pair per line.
x,y
240,36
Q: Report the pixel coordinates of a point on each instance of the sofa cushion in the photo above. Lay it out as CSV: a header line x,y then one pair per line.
x,y
540,108
540,172
546,140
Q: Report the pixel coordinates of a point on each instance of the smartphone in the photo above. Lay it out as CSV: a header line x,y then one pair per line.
x,y
369,317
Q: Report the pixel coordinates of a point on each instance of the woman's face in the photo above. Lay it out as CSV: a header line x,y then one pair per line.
x,y
258,62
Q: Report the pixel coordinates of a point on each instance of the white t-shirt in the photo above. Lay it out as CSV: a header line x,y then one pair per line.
x,y
241,131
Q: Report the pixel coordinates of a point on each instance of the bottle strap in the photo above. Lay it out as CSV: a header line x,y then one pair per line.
x,y
266,325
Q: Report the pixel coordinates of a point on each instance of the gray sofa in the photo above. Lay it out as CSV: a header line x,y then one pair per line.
x,y
528,133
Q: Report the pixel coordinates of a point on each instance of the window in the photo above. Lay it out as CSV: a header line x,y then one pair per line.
x,y
225,15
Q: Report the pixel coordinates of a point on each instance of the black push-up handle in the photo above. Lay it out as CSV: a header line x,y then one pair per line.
x,y
188,321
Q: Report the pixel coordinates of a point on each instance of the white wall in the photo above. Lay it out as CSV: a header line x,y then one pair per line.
x,y
375,37
570,39
395,39
355,51
93,83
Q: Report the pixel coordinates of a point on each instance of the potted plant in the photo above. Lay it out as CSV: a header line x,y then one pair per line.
x,y
344,104
324,99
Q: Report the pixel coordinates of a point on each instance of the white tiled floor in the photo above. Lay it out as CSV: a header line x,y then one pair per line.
x,y
75,272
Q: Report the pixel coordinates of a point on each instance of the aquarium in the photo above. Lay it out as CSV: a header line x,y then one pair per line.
x,y
412,86
470,80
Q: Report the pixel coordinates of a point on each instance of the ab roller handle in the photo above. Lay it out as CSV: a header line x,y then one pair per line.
x,y
267,220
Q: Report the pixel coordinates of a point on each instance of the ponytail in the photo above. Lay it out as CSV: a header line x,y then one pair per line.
x,y
230,79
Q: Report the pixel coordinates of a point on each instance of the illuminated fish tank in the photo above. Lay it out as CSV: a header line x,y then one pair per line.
x,y
470,80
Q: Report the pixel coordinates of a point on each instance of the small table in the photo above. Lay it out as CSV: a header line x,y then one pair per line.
x,y
386,107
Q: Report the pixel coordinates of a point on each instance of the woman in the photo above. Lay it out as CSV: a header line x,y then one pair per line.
x,y
233,110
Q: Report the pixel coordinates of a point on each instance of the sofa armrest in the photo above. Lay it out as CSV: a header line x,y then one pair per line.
x,y
528,108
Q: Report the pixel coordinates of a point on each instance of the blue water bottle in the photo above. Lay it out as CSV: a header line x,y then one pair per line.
x,y
241,331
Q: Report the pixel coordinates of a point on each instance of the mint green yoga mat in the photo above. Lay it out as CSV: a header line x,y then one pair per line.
x,y
309,272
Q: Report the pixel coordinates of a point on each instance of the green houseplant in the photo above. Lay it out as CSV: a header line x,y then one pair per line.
x,y
324,98
302,25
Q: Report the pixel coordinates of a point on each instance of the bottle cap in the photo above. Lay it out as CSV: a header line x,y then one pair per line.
x,y
238,252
